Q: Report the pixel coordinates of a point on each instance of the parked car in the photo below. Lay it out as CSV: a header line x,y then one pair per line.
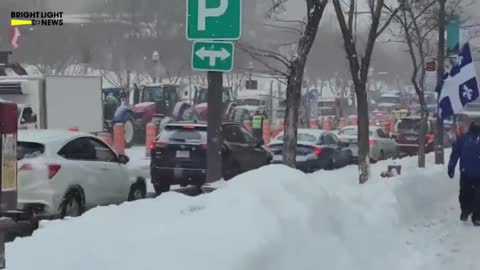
x,y
316,150
382,146
407,134
64,173
179,154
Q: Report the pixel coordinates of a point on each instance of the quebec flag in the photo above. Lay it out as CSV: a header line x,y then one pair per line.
x,y
460,85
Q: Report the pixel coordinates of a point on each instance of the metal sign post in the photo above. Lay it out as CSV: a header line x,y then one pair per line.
x,y
214,127
208,22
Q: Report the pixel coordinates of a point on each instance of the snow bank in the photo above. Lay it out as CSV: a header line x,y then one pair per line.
x,y
272,218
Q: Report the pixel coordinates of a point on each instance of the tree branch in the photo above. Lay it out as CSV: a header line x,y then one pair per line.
x,y
265,53
285,28
389,20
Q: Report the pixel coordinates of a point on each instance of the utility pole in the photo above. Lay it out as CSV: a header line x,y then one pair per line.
x,y
439,153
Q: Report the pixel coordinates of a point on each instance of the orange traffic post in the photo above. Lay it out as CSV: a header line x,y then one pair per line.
x,y
354,120
327,125
342,123
106,138
266,131
313,124
386,123
151,134
393,123
119,138
279,129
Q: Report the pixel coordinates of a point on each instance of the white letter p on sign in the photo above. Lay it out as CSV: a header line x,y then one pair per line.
x,y
204,12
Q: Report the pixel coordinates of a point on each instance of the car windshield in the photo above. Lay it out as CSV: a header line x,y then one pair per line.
x,y
322,104
302,137
389,99
409,124
184,134
249,102
26,150
151,94
203,95
352,132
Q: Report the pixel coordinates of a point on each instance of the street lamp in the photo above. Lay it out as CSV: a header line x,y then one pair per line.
x,y
156,61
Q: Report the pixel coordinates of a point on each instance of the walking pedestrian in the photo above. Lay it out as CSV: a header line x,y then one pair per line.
x,y
467,149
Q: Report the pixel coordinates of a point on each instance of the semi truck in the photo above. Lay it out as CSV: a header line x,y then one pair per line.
x,y
56,102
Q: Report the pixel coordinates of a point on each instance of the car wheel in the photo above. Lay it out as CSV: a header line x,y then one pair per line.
x,y
138,191
381,156
73,204
130,132
159,188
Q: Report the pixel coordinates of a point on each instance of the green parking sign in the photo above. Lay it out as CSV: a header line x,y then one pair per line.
x,y
214,19
212,56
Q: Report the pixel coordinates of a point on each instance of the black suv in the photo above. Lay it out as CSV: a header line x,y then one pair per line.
x,y
179,155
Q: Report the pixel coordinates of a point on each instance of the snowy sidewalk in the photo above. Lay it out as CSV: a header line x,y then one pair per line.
x,y
274,218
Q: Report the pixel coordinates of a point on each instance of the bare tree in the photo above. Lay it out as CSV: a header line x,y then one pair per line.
x,y
416,29
293,68
360,66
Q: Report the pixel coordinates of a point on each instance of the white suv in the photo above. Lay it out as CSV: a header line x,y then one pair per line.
x,y
63,173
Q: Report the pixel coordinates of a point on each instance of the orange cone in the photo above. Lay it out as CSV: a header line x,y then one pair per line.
x,y
151,134
119,138
354,120
327,125
266,131
342,123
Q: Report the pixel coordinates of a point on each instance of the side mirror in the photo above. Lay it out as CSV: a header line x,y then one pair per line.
x,y
123,159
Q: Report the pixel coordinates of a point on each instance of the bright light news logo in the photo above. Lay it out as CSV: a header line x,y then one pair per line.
x,y
43,18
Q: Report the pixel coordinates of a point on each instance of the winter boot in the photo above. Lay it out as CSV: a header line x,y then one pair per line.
x,y
464,216
476,222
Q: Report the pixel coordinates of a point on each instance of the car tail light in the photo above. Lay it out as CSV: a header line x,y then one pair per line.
x,y
53,170
430,138
317,151
152,145
26,167
158,144
204,146
371,141
188,127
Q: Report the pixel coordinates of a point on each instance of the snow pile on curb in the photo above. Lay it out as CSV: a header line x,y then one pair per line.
x,y
272,218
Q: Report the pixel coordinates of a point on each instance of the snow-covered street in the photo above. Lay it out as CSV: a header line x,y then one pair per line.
x,y
272,218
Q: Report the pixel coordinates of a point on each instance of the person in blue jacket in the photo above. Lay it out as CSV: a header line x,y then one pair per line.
x,y
467,149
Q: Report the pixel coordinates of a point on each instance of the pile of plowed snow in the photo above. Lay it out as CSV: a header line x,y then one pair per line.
x,y
272,218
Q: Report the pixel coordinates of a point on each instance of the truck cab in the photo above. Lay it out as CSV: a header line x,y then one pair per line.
x,y
26,117
200,102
